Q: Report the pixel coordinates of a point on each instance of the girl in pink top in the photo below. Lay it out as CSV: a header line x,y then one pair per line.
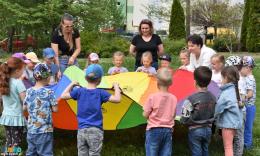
x,y
159,110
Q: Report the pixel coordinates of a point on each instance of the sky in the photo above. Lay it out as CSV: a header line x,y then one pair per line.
x,y
236,1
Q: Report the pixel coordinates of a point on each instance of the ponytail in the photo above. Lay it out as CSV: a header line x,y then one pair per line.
x,y
237,91
232,75
5,73
6,69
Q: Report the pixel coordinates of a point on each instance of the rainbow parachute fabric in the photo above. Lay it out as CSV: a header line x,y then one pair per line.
x,y
136,87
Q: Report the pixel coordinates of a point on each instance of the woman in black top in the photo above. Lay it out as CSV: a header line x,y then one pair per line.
x,y
146,41
66,43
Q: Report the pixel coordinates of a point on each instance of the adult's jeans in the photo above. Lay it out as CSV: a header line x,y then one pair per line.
x,y
158,142
64,60
199,139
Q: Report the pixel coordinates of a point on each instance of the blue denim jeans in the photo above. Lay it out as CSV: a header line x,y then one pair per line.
x,y
199,139
90,141
158,142
40,144
248,134
64,63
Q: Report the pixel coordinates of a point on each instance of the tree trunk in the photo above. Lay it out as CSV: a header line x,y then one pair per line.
x,y
215,31
187,18
10,39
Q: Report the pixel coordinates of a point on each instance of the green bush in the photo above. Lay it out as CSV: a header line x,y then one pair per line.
x,y
173,46
105,44
223,43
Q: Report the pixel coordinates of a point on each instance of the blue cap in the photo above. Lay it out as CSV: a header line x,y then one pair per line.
x,y
48,53
41,71
94,71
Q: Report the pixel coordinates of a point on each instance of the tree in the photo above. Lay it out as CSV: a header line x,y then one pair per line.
x,y
98,14
253,27
177,26
160,10
245,24
188,18
40,18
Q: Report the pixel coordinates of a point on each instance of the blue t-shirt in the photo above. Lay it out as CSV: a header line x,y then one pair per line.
x,y
89,106
39,103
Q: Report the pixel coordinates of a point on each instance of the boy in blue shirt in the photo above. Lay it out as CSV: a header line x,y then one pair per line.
x,y
48,57
89,115
40,103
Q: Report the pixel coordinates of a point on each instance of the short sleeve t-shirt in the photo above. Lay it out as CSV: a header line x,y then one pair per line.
x,y
143,46
251,85
117,70
54,70
216,77
39,103
89,106
161,110
12,103
64,48
150,70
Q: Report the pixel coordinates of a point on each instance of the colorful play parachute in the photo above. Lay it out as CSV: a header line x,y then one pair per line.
x,y
136,87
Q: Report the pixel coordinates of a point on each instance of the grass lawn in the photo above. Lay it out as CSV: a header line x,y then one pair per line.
x,y
130,142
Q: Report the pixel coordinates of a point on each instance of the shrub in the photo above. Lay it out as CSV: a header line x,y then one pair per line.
x,y
224,43
103,43
173,46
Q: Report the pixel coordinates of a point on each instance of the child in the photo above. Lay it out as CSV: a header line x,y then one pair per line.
x,y
92,58
40,103
217,64
247,72
12,91
227,113
165,61
48,57
198,112
118,59
28,78
90,99
238,142
160,110
185,58
147,62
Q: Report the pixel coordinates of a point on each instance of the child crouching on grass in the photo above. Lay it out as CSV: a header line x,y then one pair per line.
x,y
160,110
89,115
40,103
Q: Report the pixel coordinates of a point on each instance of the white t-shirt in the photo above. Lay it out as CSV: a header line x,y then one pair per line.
x,y
216,77
204,59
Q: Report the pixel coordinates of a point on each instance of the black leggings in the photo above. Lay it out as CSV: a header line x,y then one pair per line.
x,y
14,135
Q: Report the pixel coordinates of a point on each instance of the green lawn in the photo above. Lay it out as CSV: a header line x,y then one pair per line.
x,y
130,142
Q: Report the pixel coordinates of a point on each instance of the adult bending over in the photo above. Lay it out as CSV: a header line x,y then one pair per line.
x,y
66,43
146,41
200,54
